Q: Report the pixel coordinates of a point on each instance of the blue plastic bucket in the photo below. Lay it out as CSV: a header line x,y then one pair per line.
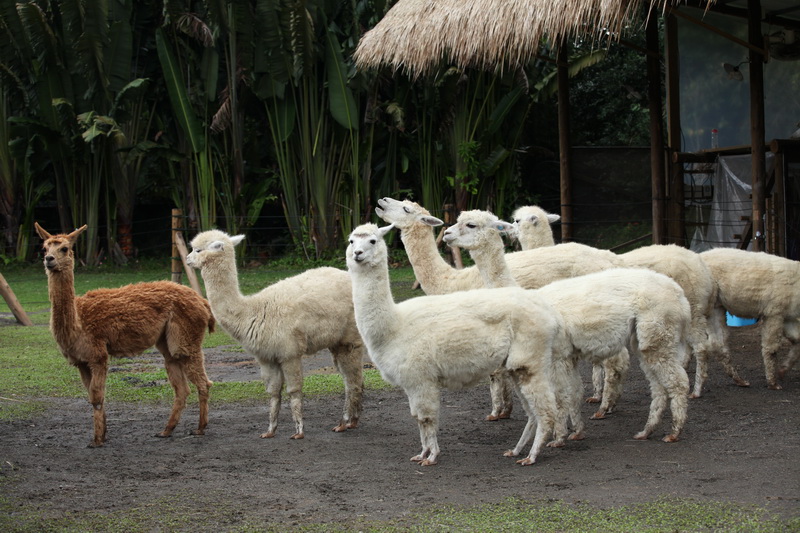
x,y
736,321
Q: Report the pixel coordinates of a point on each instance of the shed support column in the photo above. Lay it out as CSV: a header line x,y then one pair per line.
x,y
676,211
657,172
565,150
757,123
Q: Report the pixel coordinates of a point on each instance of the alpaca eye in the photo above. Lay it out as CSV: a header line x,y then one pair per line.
x,y
372,241
407,210
516,221
64,250
351,241
470,225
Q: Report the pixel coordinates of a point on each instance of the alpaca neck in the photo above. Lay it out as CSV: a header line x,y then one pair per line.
x,y
530,242
428,265
64,321
491,263
222,287
375,310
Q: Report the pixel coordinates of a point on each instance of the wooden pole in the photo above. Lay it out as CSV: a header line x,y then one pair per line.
x,y
176,262
183,251
13,303
676,210
657,173
757,127
564,145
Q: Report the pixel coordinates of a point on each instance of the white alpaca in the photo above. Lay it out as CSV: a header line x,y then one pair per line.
x,y
691,273
763,286
278,325
533,227
604,313
530,269
453,341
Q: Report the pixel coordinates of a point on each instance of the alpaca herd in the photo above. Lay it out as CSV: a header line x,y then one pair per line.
x,y
520,321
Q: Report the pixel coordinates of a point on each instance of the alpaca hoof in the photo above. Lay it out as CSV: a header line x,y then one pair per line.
x,y
505,414
592,399
694,396
428,462
641,435
578,435
744,383
670,438
297,436
774,386
492,418
558,443
527,461
268,435
510,453
599,415
163,435
197,432
94,444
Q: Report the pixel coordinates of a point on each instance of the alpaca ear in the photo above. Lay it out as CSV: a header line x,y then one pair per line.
x,y
40,230
384,230
216,245
236,239
504,227
533,219
552,219
431,221
74,235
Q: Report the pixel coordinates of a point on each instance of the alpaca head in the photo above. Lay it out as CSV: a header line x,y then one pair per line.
x,y
212,247
404,214
475,228
58,249
366,247
531,218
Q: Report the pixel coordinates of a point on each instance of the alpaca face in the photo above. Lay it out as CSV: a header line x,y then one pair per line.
x,y
366,246
529,217
475,228
404,214
210,247
58,249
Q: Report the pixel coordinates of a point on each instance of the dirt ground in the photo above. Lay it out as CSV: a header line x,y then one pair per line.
x,y
740,445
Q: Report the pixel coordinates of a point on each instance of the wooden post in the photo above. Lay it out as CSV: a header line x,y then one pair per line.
x,y
180,244
676,211
757,127
13,303
657,173
176,261
564,145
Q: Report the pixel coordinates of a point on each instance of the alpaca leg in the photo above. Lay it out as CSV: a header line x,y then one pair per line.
x,y
293,376
195,370
542,404
791,328
667,380
424,404
771,336
97,393
273,382
569,393
615,370
597,384
718,346
180,386
501,387
349,362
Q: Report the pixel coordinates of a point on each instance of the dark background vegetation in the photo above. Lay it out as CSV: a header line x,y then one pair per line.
x,y
250,116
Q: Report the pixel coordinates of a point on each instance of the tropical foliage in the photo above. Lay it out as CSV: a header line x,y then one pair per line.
x,y
225,106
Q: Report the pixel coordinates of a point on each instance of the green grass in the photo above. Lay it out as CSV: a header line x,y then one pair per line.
x,y
33,372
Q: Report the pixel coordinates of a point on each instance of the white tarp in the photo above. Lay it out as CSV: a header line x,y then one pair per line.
x,y
731,205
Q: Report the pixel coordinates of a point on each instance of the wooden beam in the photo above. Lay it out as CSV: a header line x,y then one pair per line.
x,y
676,210
13,303
657,172
565,147
176,262
757,127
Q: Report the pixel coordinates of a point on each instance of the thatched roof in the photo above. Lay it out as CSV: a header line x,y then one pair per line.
x,y
416,35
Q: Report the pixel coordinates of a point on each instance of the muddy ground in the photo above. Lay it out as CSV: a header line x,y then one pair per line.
x,y
740,445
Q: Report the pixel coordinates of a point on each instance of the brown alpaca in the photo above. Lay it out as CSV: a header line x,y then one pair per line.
x,y
124,322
